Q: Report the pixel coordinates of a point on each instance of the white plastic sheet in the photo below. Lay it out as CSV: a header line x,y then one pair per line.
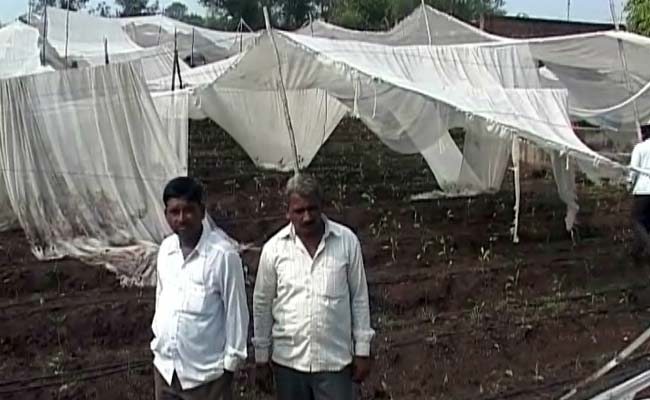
x,y
84,165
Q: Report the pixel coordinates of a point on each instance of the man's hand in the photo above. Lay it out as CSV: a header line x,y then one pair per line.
x,y
264,377
360,368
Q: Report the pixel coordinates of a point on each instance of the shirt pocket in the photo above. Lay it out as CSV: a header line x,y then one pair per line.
x,y
333,278
199,300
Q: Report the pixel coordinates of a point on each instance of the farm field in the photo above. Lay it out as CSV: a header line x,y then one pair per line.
x,y
460,311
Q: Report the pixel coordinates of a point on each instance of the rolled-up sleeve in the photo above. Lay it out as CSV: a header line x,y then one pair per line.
x,y
263,296
362,333
635,162
234,300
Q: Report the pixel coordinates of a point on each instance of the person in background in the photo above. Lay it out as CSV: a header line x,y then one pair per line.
x,y
640,184
200,324
310,304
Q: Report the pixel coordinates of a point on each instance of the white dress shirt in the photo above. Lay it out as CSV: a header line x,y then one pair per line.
x,y
640,159
313,313
200,324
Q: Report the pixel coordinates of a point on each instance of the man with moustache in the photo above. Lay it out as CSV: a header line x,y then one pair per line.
x,y
310,304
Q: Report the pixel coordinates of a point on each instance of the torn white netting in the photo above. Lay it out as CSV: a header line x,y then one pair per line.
x,y
589,66
412,96
84,165
627,390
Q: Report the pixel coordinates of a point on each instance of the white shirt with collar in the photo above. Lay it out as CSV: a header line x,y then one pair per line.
x,y
200,324
313,313
640,159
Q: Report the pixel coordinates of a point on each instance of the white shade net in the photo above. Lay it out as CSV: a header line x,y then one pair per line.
x,y
84,164
203,45
256,118
412,96
589,66
19,51
89,41
395,89
173,110
425,25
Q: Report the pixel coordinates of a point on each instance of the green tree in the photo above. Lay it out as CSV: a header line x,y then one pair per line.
x,y
75,5
231,11
194,19
176,10
382,14
362,14
136,7
102,9
292,14
638,16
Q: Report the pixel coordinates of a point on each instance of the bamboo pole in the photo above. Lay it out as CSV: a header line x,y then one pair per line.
x,y
283,93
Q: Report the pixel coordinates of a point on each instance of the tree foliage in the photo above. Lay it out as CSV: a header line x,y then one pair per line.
x,y
292,14
102,9
638,16
74,5
383,14
136,7
176,10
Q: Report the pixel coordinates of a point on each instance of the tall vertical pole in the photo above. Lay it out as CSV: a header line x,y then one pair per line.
x,y
283,93
192,51
174,62
240,28
106,50
628,83
426,21
67,33
568,10
44,36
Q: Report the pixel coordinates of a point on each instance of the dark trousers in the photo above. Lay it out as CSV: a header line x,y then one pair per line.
x,y
641,225
295,385
219,389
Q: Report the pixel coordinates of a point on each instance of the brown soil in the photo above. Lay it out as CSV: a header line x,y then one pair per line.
x,y
460,311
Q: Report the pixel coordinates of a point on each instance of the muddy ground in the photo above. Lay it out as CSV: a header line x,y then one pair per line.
x,y
461,312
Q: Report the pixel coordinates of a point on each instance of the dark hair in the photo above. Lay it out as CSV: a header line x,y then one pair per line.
x,y
185,188
645,131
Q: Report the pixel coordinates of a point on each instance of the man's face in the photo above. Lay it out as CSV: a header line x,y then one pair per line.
x,y
184,217
305,214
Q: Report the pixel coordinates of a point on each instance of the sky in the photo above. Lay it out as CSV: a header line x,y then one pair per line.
x,y
581,10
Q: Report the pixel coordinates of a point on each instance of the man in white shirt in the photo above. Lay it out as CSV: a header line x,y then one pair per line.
x,y
200,324
310,304
640,184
